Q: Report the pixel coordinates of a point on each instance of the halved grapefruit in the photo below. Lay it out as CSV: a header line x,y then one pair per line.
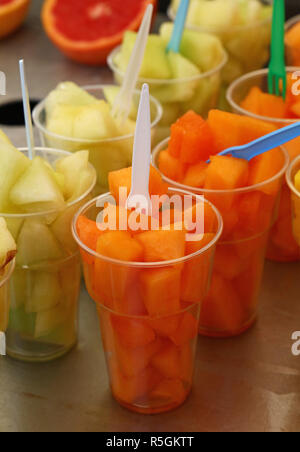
x,y
12,14
87,30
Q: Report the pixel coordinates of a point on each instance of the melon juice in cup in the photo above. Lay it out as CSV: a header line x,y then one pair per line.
x,y
293,181
39,198
73,119
148,283
249,96
181,81
243,26
246,194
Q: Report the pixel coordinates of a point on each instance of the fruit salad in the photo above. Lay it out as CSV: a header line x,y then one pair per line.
x,y
38,199
148,284
249,96
7,254
73,119
181,81
244,27
292,41
247,195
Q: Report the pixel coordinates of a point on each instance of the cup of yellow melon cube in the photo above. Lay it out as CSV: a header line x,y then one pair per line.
x,y
148,298
45,284
74,119
293,181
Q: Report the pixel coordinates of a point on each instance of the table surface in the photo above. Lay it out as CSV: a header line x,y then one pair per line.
x,y
250,383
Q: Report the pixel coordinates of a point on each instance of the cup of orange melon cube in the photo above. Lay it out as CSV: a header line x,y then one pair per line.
x,y
246,194
249,96
293,181
148,283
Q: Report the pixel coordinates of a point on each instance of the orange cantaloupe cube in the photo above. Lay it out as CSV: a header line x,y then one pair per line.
x,y
226,173
187,330
132,333
292,36
160,289
133,361
186,359
162,245
191,139
121,246
122,179
88,233
230,129
196,175
228,263
171,167
165,326
166,361
222,310
264,104
265,167
196,272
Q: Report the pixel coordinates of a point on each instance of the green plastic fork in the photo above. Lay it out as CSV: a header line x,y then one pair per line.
x,y
277,71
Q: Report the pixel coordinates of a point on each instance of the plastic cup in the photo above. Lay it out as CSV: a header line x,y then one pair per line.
x,y
292,53
106,155
150,359
4,295
248,46
282,246
45,284
177,96
290,177
231,306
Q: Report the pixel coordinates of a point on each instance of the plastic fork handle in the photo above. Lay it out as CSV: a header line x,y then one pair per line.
x,y
142,148
266,143
179,24
123,100
277,43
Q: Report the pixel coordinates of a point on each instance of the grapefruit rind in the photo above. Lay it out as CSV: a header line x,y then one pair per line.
x,y
86,52
12,16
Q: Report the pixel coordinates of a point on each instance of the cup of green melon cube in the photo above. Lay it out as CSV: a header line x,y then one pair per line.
x,y
73,119
44,287
189,80
4,296
243,26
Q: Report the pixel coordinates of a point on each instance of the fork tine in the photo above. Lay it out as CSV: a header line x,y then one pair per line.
x,y
270,82
277,85
284,87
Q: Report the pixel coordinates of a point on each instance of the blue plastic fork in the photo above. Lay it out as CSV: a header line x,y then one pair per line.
x,y
264,144
174,44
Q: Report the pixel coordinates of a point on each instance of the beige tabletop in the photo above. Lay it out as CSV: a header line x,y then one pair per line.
x,y
250,383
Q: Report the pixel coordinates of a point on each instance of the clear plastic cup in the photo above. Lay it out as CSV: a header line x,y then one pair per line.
x,y
282,245
106,155
150,359
231,306
292,53
177,96
248,46
44,287
4,295
295,194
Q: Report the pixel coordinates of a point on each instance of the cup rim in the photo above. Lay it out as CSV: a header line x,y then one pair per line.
x,y
242,111
147,265
289,176
41,107
172,15
166,81
8,271
163,144
52,211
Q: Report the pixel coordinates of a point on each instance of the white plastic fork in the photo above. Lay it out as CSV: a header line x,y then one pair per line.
x,y
139,197
123,101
